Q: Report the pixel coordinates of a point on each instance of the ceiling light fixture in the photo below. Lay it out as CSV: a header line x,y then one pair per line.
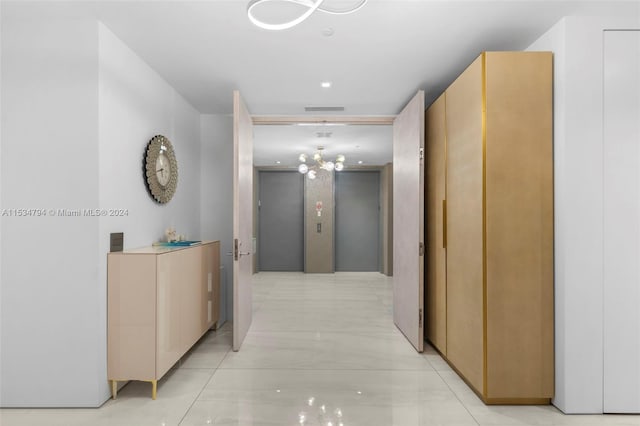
x,y
327,32
312,6
312,170
325,84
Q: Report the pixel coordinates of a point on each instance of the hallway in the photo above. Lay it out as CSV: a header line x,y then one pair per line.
x,y
322,350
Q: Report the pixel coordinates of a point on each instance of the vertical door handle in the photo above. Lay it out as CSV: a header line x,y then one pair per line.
x,y
236,250
444,224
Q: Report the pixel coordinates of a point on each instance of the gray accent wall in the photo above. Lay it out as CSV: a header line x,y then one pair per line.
x,y
281,220
386,219
357,221
319,244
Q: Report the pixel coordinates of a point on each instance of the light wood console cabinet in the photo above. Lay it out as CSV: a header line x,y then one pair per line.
x,y
489,207
161,300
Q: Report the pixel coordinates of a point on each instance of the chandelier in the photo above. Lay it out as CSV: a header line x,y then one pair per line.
x,y
311,5
320,164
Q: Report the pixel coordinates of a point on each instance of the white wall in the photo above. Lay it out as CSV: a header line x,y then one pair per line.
x,y
217,197
135,104
78,108
578,111
1,205
621,160
50,319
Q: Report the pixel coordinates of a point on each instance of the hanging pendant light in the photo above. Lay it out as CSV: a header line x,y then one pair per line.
x,y
312,170
311,5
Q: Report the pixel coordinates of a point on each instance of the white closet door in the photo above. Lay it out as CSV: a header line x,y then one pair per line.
x,y
621,221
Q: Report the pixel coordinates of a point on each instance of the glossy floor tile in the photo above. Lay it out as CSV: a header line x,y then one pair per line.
x,y
322,397
326,350
322,351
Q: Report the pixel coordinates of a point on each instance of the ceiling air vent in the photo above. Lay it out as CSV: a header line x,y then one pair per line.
x,y
324,134
323,108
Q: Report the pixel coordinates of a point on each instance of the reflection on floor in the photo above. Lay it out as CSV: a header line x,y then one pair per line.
x,y
322,350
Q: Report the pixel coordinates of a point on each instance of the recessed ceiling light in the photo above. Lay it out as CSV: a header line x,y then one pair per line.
x,y
360,162
327,32
277,162
325,84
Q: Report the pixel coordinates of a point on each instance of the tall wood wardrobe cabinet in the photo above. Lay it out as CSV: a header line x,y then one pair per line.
x,y
489,207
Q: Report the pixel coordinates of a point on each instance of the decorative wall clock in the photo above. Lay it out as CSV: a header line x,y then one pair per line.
x,y
161,169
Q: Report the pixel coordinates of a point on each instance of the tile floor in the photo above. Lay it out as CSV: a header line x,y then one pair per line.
x,y
322,350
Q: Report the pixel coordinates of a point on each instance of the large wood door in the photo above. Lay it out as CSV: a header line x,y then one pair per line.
x,y
408,220
242,219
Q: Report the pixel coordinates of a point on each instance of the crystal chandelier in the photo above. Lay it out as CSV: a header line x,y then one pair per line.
x,y
320,164
311,5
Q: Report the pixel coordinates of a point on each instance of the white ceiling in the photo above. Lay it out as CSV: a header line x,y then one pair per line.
x,y
370,144
377,58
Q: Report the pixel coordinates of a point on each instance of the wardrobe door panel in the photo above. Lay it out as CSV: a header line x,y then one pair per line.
x,y
436,267
519,224
464,127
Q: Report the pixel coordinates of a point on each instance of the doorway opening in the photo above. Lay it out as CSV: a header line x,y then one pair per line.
x,y
338,221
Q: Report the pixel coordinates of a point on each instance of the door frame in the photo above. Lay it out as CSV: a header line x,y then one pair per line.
x,y
279,120
353,120
322,119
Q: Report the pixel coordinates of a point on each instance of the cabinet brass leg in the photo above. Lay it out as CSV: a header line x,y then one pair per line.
x,y
114,389
154,389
